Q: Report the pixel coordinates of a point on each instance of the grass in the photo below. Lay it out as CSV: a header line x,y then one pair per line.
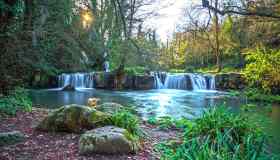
x,y
214,70
255,95
170,123
218,135
17,99
136,70
129,121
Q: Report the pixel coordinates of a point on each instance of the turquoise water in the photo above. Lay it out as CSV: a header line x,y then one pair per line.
x,y
164,102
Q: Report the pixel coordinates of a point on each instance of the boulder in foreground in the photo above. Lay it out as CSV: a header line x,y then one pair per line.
x,y
108,140
74,119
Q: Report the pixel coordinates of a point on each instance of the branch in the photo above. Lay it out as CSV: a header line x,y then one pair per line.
x,y
244,13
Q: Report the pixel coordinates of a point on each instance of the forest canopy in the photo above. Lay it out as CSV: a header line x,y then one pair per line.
x,y
53,37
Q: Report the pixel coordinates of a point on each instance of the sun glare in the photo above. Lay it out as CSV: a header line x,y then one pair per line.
x,y
87,19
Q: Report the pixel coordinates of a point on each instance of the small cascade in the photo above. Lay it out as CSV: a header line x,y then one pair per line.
x,y
198,82
176,82
186,81
77,80
158,83
212,83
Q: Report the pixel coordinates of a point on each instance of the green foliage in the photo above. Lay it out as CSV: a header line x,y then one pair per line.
x,y
152,120
135,70
165,122
263,69
219,135
257,95
17,100
169,123
127,120
177,71
247,107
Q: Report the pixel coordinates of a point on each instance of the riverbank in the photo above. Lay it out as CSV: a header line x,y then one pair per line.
x,y
55,146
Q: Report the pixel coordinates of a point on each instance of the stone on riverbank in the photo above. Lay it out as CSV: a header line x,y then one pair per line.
x,y
108,140
74,119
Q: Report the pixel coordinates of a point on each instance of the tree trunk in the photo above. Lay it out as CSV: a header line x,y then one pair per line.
x,y
217,49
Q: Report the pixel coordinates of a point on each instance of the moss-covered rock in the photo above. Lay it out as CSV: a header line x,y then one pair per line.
x,y
73,118
110,107
9,138
108,140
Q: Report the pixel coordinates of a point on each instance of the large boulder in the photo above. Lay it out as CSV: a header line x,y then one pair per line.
x,y
74,119
9,138
226,81
108,140
110,107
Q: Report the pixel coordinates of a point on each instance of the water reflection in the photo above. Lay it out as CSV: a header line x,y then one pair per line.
x,y
175,103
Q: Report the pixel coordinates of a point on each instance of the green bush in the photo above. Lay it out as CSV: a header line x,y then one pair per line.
x,y
257,95
17,99
135,70
170,123
127,120
263,69
217,135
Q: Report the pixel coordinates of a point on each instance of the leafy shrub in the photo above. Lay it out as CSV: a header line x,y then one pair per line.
x,y
254,94
263,69
128,121
165,122
135,70
168,123
17,99
219,135
152,120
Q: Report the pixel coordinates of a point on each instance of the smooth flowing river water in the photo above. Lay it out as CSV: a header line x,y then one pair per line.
x,y
163,102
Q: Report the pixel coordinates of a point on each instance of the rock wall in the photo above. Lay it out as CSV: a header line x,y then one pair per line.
x,y
111,81
226,81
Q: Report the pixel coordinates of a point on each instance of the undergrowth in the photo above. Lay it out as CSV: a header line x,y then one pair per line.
x,y
129,121
218,135
16,100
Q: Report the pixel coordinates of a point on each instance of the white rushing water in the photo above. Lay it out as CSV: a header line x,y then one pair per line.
x,y
77,80
175,82
180,81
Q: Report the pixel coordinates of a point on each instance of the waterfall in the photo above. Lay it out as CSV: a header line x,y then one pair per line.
x,y
176,82
158,83
77,80
212,83
106,66
198,82
185,81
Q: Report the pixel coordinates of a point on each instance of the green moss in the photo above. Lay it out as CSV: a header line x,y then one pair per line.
x,y
99,118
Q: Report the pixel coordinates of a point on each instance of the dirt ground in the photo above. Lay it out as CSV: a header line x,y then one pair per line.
x,y
64,146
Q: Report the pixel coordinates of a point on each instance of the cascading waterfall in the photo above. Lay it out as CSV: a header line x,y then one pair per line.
x,y
212,83
158,83
176,82
77,80
198,82
180,81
